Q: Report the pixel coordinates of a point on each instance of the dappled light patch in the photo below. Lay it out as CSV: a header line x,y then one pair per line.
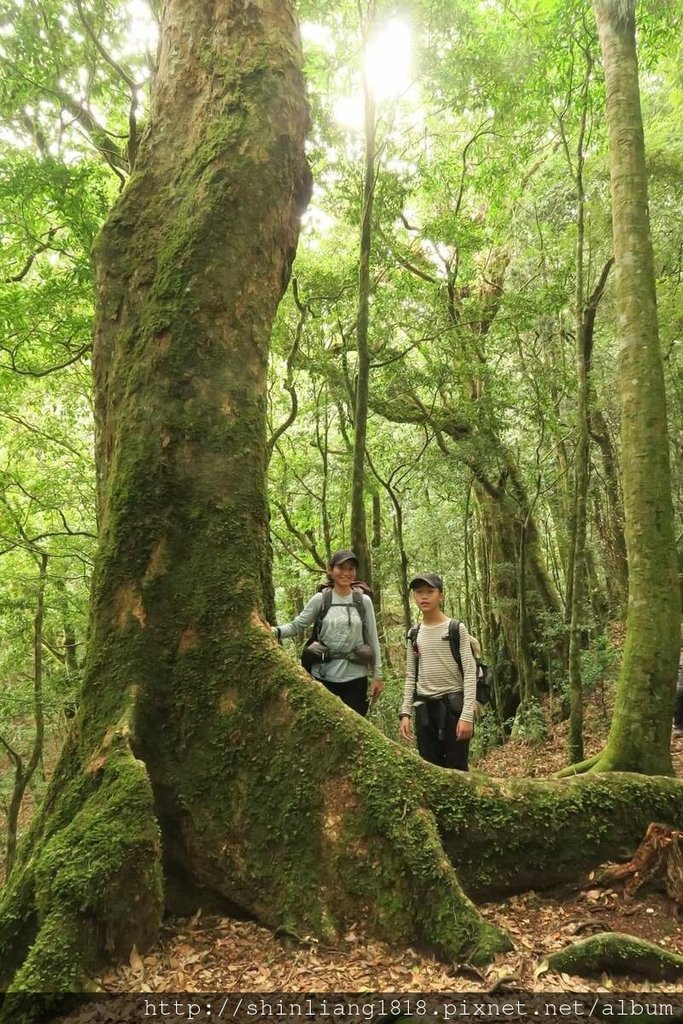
x,y
128,604
229,700
113,734
163,342
338,801
279,710
189,640
96,763
157,562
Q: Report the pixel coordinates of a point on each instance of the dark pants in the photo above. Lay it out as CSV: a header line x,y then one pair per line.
x,y
435,724
678,707
353,692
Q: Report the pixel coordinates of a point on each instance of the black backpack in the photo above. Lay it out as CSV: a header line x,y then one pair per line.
x,y
358,589
484,672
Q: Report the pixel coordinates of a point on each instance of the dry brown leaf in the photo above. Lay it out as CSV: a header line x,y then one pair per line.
x,y
135,961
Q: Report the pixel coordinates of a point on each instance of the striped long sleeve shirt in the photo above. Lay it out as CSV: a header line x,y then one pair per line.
x,y
438,671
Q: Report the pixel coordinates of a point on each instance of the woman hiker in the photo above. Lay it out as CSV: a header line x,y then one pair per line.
x,y
345,653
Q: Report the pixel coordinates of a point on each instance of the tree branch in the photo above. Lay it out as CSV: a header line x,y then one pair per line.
x,y
31,259
304,538
288,382
591,310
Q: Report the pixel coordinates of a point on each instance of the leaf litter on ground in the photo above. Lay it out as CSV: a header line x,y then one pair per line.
x,y
206,953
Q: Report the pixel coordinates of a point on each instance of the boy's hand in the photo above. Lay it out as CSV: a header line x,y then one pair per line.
x,y
463,730
404,728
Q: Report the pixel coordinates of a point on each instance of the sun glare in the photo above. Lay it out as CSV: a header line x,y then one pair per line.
x,y
388,60
388,73
143,32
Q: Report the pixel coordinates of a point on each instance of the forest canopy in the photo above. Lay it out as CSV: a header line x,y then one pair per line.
x,y
490,147
456,382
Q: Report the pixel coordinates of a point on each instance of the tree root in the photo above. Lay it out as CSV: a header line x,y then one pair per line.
x,y
613,952
92,890
659,858
267,809
525,833
578,769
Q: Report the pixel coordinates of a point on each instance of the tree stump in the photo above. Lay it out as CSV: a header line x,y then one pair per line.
x,y
658,860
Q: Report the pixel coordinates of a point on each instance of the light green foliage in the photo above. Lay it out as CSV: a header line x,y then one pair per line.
x,y
471,438
597,663
475,168
474,187
529,723
59,94
487,735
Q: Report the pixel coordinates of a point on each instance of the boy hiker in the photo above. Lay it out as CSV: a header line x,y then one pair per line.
x,y
444,701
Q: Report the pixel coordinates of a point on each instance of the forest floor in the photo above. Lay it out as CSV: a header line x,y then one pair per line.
x,y
218,954
212,954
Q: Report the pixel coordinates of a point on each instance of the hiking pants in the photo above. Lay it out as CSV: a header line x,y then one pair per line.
x,y
353,692
678,707
435,724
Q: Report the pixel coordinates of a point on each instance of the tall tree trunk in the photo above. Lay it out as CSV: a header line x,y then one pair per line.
x,y
576,575
611,521
378,598
508,521
639,738
395,500
190,267
203,760
468,564
402,561
359,538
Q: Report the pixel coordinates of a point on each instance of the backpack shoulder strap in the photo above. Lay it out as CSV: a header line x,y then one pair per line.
x,y
358,601
326,595
412,640
359,605
454,640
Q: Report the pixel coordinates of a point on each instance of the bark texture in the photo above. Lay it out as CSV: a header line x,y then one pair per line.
x,y
618,954
641,727
190,267
204,766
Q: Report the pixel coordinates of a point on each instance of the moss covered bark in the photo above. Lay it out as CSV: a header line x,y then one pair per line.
x,y
639,738
203,763
190,267
617,954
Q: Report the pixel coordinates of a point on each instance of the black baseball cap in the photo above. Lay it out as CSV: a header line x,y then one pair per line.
x,y
343,556
430,578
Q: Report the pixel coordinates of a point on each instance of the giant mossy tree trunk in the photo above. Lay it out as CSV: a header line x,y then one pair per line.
x,y
204,764
639,739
